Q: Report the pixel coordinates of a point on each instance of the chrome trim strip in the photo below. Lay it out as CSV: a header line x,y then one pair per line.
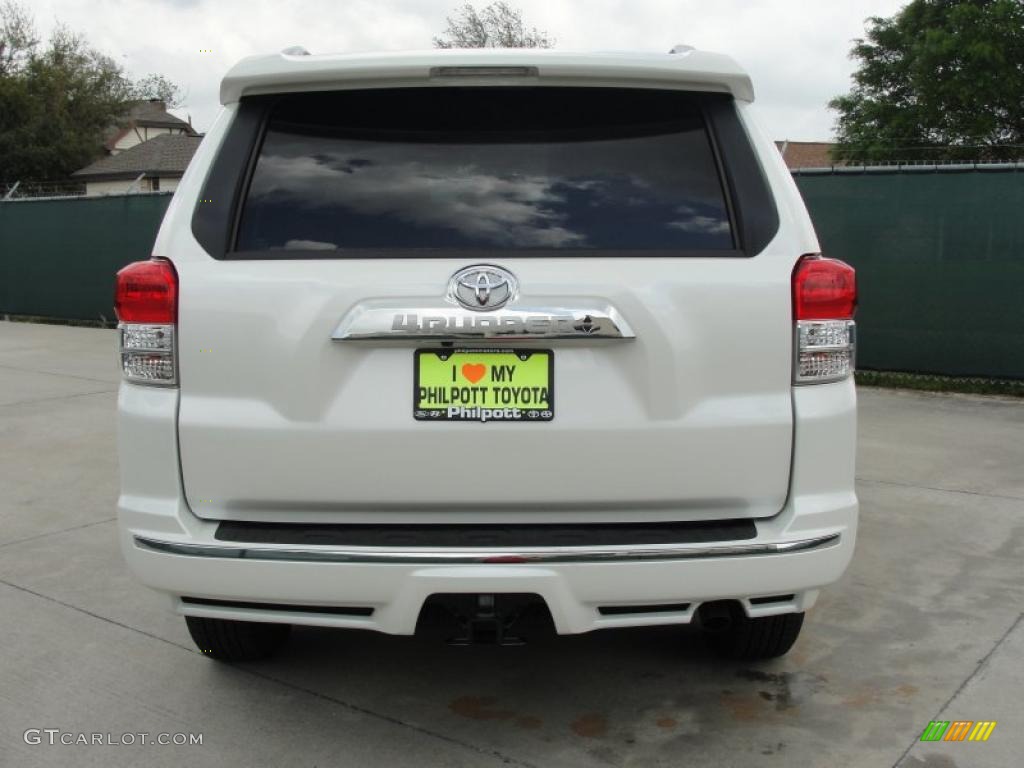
x,y
388,321
494,556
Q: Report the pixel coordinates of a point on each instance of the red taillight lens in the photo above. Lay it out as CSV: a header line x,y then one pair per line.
x,y
147,292
823,289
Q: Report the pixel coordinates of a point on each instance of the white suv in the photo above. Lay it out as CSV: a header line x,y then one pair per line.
x,y
480,331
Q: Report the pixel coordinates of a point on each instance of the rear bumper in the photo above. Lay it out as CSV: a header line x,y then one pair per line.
x,y
574,592
805,547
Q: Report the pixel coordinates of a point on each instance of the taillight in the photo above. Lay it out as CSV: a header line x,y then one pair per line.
x,y
146,302
824,300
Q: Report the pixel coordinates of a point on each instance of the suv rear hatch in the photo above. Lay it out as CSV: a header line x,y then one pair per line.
x,y
648,204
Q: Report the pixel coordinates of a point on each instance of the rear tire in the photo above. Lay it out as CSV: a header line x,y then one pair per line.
x,y
754,639
229,640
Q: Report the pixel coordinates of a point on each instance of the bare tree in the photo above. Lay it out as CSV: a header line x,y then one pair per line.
x,y
17,36
159,87
499,25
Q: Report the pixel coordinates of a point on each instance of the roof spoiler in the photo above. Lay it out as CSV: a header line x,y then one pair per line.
x,y
294,69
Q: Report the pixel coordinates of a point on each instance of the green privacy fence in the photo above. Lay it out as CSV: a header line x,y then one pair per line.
x,y
939,255
58,256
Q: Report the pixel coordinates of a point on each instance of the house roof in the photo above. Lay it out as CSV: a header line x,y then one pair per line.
x,y
164,155
807,154
154,112
151,113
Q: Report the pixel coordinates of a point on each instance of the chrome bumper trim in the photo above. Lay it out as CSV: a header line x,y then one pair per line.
x,y
494,556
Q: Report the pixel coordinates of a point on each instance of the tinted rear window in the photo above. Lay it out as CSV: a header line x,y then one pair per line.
x,y
563,169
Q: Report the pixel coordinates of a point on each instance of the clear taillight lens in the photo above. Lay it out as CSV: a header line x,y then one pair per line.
x,y
824,300
825,350
146,302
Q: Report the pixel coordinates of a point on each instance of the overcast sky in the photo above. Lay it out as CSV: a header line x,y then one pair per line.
x,y
795,50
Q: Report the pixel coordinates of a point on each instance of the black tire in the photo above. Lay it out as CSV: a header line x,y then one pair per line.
x,y
766,637
227,640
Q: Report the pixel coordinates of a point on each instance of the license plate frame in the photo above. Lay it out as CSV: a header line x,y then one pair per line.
x,y
488,406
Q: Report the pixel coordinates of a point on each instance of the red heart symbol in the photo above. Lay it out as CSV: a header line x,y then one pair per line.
x,y
474,371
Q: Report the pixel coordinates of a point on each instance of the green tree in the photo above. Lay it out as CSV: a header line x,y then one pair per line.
x,y
57,101
498,25
941,80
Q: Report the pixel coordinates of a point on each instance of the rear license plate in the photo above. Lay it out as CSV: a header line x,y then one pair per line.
x,y
484,385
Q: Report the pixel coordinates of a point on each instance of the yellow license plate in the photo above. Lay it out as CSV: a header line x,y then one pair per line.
x,y
484,385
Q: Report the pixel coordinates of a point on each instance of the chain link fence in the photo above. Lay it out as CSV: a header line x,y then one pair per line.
x,y
25,190
946,154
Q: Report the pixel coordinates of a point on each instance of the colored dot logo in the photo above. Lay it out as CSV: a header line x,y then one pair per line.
x,y
958,730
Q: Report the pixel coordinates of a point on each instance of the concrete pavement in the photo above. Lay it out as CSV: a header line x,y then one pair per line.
x,y
926,624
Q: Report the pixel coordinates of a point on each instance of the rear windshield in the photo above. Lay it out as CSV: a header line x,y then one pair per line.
x,y
419,169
